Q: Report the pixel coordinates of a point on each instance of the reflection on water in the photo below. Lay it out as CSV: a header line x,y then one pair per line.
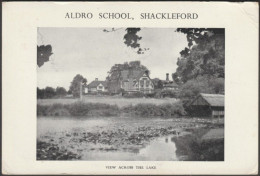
x,y
128,139
160,149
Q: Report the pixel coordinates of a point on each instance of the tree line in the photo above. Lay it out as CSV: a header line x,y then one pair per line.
x,y
59,92
50,92
200,67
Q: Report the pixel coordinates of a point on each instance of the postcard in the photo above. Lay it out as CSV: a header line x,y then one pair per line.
x,y
130,88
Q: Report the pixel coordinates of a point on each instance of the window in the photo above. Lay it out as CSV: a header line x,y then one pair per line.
x,y
142,83
100,87
147,83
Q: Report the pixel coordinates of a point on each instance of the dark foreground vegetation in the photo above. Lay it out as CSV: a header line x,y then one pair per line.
x,y
194,148
99,109
50,151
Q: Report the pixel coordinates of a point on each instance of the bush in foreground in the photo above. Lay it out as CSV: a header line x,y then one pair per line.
x,y
148,110
77,109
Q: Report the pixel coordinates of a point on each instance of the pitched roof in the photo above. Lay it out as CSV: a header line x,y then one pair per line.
x,y
214,99
155,79
131,74
94,84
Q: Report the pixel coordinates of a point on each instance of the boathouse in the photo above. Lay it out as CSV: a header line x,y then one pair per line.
x,y
207,105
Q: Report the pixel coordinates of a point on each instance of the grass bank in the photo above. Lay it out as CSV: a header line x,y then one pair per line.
x,y
99,109
77,109
111,100
163,110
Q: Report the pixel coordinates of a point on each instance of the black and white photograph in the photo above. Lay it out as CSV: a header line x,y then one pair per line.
x,y
130,88
130,94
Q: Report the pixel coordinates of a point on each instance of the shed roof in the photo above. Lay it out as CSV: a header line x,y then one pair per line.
x,y
94,84
213,99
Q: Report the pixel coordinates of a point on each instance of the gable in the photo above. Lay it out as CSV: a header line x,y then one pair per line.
x,y
100,84
199,101
147,78
95,84
130,74
215,100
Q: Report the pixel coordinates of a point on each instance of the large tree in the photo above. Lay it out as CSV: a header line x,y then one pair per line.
x,y
201,65
49,92
115,71
77,81
61,91
114,75
204,56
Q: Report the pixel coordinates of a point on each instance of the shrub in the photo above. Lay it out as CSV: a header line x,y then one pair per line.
x,y
201,85
148,110
151,95
170,93
58,110
52,110
83,109
200,150
133,95
77,109
42,110
99,109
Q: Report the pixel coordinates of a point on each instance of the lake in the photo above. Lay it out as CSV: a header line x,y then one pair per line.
x,y
122,138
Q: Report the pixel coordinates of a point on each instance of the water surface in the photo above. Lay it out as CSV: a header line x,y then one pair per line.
x,y
131,139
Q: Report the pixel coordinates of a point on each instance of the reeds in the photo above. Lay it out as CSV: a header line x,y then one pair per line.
x,y
101,109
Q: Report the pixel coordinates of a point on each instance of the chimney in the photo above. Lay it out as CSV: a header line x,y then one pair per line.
x,y
167,76
96,79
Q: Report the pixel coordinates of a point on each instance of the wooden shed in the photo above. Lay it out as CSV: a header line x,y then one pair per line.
x,y
211,105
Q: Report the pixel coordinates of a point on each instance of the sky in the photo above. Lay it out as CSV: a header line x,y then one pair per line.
x,y
92,52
